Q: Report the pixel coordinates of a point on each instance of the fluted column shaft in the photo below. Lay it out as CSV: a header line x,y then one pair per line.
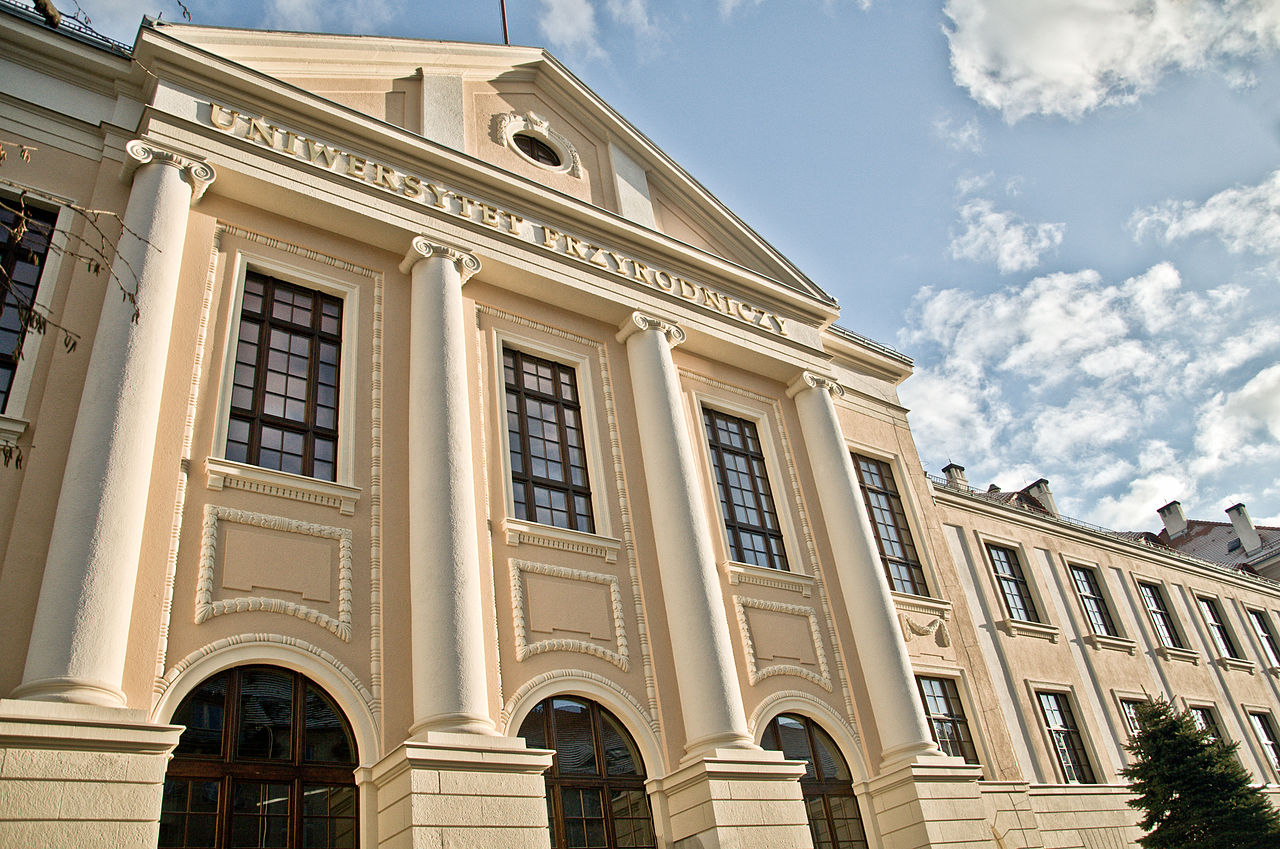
x,y
705,670
880,649
81,628
450,680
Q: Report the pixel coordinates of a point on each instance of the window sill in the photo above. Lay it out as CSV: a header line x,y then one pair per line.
x,y
1020,628
233,475
1184,655
937,608
1236,663
519,532
745,573
1104,642
11,429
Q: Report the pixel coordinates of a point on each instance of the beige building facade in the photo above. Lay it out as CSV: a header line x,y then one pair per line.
x,y
440,465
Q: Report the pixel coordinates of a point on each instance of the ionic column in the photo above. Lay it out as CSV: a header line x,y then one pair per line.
x,y
881,652
450,680
81,628
704,664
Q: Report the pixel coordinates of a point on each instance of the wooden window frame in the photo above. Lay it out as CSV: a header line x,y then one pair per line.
x,y
1156,603
1220,635
1066,742
1265,634
953,715
20,299
1097,610
765,504
1014,583
817,789
885,507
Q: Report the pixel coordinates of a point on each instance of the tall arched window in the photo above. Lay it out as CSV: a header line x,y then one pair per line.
x,y
827,785
595,787
267,760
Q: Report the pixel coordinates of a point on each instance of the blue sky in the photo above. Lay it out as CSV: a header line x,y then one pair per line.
x,y
1067,211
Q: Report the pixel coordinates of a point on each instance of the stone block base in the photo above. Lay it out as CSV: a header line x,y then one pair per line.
x,y
80,775
930,804
735,799
455,791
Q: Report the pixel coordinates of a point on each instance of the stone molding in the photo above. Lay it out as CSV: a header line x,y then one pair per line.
x,y
745,573
234,475
422,247
568,676
933,627
519,612
780,701
196,172
812,380
530,533
639,321
507,125
207,608
754,673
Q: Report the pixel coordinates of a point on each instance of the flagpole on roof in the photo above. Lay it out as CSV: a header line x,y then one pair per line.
x,y
505,39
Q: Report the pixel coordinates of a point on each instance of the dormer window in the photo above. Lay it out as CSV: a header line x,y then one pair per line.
x,y
537,150
532,136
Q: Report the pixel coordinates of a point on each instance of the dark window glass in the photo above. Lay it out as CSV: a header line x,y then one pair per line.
x,y
1161,619
1206,721
595,787
1068,745
1095,603
1266,731
284,388
1267,637
1130,708
25,232
946,717
537,150
834,819
544,428
884,506
1013,584
746,501
266,761
1218,628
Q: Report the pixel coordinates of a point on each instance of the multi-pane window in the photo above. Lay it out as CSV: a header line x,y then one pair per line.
x,y
267,760
1265,728
1068,745
1205,720
1262,627
947,723
25,232
544,430
884,505
1130,709
1161,619
1218,627
750,518
1095,603
1013,584
827,785
595,787
284,391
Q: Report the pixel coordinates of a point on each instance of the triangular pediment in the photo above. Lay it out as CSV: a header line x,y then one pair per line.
x,y
486,101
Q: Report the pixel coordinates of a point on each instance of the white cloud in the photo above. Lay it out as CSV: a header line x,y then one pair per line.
x,y
1068,57
1004,238
966,137
1242,426
633,14
1245,218
967,184
570,27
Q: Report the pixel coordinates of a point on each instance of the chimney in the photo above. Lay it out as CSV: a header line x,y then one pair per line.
x,y
1249,539
955,475
1040,492
1175,521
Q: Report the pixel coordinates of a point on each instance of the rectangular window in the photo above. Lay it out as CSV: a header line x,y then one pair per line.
x,y
884,506
544,429
1068,745
1218,627
25,233
1130,709
1161,620
1095,603
1013,584
1265,728
1206,721
284,392
1262,627
946,717
746,502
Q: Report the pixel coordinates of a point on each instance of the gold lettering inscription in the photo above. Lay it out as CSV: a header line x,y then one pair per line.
x,y
489,216
222,123
355,165
258,127
384,176
438,195
412,186
516,221
317,152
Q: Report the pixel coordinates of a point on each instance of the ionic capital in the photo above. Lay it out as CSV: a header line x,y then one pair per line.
x,y
196,172
423,248
809,380
638,321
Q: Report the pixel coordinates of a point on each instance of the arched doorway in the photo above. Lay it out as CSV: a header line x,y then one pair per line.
x,y
827,785
267,760
595,787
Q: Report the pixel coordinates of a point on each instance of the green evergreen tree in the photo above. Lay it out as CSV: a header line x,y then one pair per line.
x,y
1192,789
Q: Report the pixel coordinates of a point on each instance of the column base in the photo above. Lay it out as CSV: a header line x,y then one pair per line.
x,y
442,789
739,798
74,775
935,802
